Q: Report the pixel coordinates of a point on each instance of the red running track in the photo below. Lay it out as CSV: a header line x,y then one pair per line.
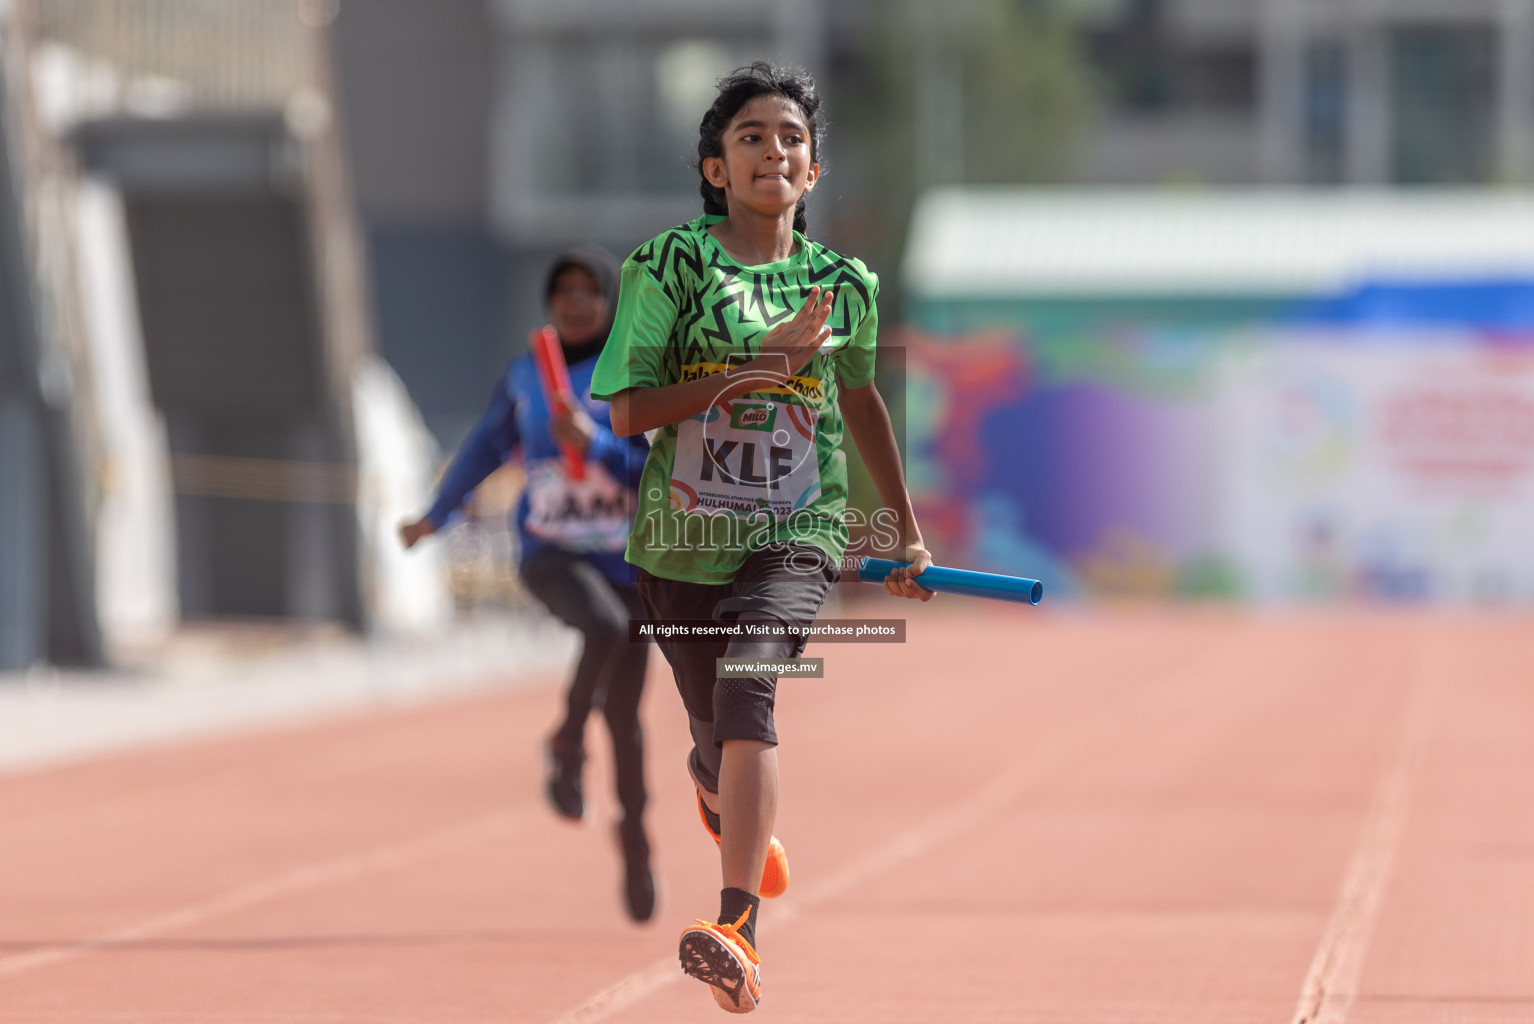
x,y
1019,815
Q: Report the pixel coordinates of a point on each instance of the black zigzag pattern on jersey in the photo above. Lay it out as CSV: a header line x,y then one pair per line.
x,y
833,274
730,287
706,285
675,250
694,341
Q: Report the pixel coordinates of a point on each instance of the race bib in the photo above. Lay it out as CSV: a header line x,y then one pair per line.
x,y
745,456
591,514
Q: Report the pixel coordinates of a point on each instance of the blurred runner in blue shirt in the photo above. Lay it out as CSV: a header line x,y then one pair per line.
x,y
572,536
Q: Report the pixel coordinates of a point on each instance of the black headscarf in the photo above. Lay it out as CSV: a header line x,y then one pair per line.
x,y
603,268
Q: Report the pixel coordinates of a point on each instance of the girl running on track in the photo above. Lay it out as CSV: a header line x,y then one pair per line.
x,y
745,346
572,537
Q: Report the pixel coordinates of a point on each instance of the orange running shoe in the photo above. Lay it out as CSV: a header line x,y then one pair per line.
x,y
774,872
718,956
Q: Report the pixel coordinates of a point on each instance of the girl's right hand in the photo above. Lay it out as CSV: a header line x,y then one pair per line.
x,y
906,581
788,346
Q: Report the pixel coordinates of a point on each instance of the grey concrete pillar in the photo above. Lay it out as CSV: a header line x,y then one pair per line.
x,y
1515,86
23,536
1369,131
1281,92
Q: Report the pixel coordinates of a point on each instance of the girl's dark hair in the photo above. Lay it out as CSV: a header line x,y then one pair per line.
x,y
737,89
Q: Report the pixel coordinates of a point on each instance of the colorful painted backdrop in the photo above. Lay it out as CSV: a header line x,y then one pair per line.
x,y
1332,454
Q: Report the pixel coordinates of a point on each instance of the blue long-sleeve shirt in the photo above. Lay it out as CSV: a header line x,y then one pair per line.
x,y
590,517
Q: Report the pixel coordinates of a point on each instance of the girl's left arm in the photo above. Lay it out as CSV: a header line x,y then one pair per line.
x,y
868,421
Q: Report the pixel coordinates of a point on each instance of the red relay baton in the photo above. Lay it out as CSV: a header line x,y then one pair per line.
x,y
549,357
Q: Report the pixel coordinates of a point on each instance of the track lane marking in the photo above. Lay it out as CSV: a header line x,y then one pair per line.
x,y
311,876
904,846
1331,984
911,843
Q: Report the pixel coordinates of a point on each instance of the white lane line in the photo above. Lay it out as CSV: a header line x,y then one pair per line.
x,y
1332,981
312,876
214,1017
627,990
904,846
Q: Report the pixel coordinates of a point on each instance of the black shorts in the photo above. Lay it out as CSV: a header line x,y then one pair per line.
x,y
786,583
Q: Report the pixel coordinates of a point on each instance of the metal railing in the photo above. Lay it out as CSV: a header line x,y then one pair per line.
x,y
212,54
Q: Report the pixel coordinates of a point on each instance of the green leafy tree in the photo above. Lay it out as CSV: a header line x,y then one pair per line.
x,y
953,92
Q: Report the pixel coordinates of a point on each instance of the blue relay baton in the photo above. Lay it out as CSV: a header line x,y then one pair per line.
x,y
958,581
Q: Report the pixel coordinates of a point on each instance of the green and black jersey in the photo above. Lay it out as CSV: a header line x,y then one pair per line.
x,y
763,468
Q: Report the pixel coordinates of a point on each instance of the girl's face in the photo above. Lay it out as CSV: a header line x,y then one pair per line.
x,y
577,307
766,164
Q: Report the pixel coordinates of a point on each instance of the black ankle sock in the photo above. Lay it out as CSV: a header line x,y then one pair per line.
x,y
712,817
733,903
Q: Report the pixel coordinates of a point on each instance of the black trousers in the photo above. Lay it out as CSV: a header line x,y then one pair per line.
x,y
784,583
611,671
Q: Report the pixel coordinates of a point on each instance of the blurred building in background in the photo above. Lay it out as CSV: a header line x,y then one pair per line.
x,y
48,430
265,260
596,111
1170,94
414,83
488,135
1403,92
246,440
1426,92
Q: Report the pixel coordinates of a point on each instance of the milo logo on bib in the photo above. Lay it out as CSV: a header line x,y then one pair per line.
x,y
745,416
